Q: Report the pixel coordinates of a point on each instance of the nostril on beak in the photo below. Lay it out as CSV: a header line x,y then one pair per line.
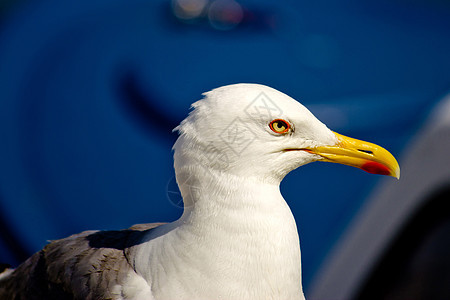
x,y
365,151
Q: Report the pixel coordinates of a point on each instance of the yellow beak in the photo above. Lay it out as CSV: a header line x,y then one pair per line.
x,y
366,156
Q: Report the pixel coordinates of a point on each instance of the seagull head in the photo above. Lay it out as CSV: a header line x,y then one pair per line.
x,y
252,130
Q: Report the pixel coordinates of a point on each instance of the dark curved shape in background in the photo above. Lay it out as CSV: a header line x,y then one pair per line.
x,y
12,241
417,264
141,109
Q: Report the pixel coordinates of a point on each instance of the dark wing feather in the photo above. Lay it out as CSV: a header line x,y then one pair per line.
x,y
88,265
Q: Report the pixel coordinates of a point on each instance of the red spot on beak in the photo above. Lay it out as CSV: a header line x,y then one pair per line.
x,y
375,168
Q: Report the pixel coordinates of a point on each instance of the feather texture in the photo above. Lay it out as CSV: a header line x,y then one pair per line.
x,y
88,265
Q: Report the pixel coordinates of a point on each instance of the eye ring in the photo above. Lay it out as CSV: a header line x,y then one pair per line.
x,y
279,126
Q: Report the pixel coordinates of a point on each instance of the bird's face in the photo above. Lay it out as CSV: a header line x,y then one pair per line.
x,y
254,130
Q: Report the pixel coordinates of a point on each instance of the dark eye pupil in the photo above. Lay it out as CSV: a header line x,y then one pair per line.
x,y
281,124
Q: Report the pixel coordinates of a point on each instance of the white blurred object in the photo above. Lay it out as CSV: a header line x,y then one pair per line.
x,y
424,172
188,9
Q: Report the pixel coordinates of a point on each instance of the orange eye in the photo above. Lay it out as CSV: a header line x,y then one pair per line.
x,y
279,126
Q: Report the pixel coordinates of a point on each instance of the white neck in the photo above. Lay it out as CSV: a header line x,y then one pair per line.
x,y
234,234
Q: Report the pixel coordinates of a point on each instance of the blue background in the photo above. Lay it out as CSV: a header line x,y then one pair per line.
x,y
90,91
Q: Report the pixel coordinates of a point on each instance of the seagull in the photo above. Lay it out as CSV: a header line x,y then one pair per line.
x,y
236,238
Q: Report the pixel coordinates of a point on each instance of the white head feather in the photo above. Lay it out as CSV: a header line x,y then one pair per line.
x,y
228,131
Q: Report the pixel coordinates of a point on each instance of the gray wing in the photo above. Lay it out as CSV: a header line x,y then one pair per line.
x,y
89,265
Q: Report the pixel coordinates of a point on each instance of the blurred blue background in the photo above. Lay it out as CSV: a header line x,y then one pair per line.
x,y
90,91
